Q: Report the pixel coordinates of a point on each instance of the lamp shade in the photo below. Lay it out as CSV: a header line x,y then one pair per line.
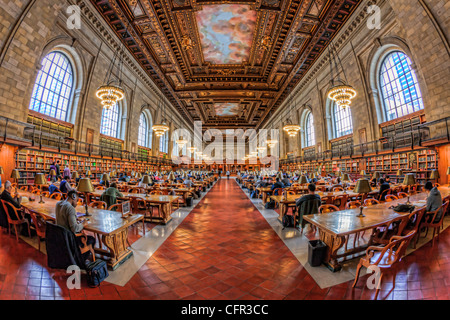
x,y
279,175
105,177
434,175
362,186
53,172
399,173
146,180
376,175
303,180
345,177
39,179
363,172
171,176
448,171
85,185
3,172
15,174
88,173
75,175
409,180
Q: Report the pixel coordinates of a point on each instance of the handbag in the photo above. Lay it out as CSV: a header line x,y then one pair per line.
x,y
97,271
403,208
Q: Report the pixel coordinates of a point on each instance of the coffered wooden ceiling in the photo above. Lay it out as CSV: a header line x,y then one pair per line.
x,y
226,63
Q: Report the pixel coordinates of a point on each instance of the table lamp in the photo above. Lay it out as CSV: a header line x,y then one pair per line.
x,y
376,176
171,176
15,175
345,178
409,181
75,175
435,175
303,180
85,186
39,180
88,173
362,187
279,175
3,172
363,173
105,177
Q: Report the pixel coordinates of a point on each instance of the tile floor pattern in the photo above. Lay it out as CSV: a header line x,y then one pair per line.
x,y
224,249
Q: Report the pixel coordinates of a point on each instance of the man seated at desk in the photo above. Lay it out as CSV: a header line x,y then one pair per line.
x,y
111,194
188,183
66,216
6,196
278,184
309,203
286,181
52,189
64,186
383,187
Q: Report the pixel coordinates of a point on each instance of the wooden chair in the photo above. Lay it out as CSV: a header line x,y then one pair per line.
x,y
412,224
383,195
116,207
135,190
431,220
337,189
327,200
39,226
56,196
98,204
402,195
327,208
352,205
36,191
20,219
382,234
371,202
340,201
24,188
384,257
390,198
138,205
45,194
100,188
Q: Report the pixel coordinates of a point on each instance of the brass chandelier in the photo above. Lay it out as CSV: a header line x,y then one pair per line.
x,y
161,128
341,93
291,129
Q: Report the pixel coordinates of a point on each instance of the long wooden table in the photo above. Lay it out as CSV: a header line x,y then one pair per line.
x,y
111,228
336,227
165,202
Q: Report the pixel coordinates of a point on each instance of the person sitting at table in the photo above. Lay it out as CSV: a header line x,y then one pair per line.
x,y
122,178
188,183
373,182
387,179
66,216
309,203
64,186
111,194
6,196
286,181
278,184
52,189
434,199
383,187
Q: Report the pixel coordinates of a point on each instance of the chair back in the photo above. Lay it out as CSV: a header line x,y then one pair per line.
x,y
340,201
45,194
327,208
98,205
36,191
413,222
327,200
278,191
337,189
56,196
12,213
402,195
390,198
394,250
353,205
383,194
38,222
371,202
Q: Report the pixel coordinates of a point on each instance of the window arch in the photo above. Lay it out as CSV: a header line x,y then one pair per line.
x,y
343,124
400,90
143,131
110,121
164,142
310,138
53,89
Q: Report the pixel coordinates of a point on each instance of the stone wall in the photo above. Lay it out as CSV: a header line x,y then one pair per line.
x,y
418,28
30,29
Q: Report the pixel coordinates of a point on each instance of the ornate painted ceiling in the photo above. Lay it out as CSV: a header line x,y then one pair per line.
x,y
226,63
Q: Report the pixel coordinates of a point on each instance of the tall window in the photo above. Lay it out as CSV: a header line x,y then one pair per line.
x,y
143,131
310,137
342,121
164,143
110,122
53,87
399,86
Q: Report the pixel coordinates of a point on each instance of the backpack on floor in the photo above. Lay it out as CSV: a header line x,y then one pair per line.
x,y
97,271
270,205
288,221
253,194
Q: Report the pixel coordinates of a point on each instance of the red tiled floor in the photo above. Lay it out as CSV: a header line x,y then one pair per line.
x,y
224,249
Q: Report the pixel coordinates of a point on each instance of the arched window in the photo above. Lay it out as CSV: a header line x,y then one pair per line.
x,y
110,122
164,143
53,87
399,86
309,131
342,121
143,131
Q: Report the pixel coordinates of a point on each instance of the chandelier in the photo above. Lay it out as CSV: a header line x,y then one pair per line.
x,y
110,95
342,93
181,142
192,149
261,149
161,128
291,129
271,143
